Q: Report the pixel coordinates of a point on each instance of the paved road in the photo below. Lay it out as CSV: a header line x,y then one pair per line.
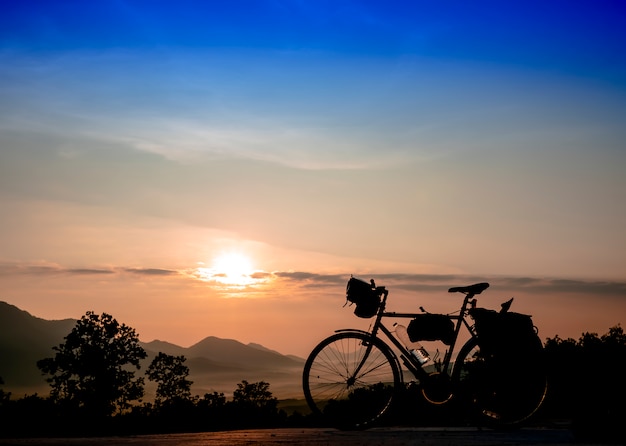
x,y
326,437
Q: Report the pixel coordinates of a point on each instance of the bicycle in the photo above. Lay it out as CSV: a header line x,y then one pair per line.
x,y
353,377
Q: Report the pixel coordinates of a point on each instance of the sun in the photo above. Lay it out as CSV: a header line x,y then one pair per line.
x,y
233,269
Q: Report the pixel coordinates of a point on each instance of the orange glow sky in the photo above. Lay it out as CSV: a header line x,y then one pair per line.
x,y
421,157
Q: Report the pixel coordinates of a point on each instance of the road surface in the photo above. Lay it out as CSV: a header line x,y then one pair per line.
x,y
439,436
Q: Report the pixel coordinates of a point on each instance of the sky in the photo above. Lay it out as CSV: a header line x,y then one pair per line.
x,y
221,168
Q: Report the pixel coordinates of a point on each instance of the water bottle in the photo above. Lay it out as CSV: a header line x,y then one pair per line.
x,y
415,348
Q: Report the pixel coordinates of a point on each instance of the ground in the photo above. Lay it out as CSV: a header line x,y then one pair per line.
x,y
439,436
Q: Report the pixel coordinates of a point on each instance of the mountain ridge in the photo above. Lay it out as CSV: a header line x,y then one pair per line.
x,y
215,364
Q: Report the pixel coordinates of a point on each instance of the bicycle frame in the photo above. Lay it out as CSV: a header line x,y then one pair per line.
x,y
407,358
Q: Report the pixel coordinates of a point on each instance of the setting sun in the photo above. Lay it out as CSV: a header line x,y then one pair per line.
x,y
233,269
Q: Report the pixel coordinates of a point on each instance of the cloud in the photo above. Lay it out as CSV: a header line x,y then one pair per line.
x,y
55,269
311,279
88,271
281,113
47,269
570,286
307,279
428,282
261,275
151,271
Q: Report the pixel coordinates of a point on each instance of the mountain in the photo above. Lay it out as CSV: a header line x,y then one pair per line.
x,y
260,347
165,347
234,352
215,364
25,339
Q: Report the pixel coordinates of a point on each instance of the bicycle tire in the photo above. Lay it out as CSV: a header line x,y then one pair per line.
x,y
503,392
342,398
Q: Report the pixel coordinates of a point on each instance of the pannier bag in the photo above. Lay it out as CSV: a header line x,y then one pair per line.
x,y
431,327
366,298
505,333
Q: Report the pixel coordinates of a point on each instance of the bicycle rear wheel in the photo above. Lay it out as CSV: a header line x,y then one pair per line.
x,y
505,390
351,380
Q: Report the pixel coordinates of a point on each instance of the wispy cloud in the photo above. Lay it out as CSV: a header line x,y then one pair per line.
x,y
150,271
428,282
367,113
306,279
312,279
88,271
47,269
56,269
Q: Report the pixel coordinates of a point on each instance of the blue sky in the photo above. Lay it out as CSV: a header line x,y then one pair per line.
x,y
582,37
478,140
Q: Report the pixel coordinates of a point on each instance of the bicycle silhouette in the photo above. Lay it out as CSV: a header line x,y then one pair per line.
x,y
352,377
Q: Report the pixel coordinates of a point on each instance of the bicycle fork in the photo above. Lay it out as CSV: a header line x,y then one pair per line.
x,y
351,381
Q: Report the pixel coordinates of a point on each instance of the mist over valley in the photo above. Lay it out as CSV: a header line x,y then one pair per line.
x,y
215,364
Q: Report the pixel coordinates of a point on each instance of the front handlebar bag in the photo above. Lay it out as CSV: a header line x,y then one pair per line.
x,y
364,296
431,327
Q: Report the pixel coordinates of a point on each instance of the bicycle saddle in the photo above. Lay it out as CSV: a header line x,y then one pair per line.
x,y
477,288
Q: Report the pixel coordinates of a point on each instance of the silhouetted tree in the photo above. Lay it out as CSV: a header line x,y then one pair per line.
x,y
255,395
4,396
587,382
92,371
212,411
254,404
170,373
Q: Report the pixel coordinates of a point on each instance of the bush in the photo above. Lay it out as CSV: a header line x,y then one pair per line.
x,y
587,383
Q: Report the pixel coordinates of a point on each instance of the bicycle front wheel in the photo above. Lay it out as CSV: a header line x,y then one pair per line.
x,y
351,380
